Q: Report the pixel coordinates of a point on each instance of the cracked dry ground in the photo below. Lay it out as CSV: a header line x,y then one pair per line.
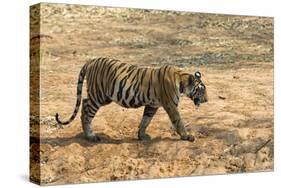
x,y
233,131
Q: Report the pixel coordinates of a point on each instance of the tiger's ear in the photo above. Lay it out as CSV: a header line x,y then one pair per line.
x,y
197,75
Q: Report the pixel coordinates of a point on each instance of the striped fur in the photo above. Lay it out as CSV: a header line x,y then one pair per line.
x,y
131,86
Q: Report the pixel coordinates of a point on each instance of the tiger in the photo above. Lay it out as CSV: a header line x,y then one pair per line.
x,y
131,86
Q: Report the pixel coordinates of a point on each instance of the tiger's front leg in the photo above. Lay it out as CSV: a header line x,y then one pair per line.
x,y
147,116
88,113
177,123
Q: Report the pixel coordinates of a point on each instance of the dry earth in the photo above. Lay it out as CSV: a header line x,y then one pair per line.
x,y
234,130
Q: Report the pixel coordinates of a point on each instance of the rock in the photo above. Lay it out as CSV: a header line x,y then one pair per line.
x,y
249,161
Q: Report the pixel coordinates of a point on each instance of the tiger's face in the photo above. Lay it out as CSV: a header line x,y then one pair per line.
x,y
194,88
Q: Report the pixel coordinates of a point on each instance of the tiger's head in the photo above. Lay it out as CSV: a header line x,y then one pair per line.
x,y
193,87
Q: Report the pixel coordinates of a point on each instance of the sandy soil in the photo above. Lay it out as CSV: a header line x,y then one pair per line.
x,y
234,130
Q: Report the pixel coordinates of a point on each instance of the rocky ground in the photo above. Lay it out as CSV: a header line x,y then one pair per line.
x,y
233,131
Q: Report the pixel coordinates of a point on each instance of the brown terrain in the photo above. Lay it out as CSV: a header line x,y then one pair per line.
x,y
233,131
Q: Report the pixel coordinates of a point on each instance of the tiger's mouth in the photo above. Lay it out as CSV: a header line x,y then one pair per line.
x,y
196,101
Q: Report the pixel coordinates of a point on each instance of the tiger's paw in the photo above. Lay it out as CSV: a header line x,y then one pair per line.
x,y
144,137
93,138
189,138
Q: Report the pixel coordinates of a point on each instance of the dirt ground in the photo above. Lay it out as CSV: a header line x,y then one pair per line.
x,y
233,131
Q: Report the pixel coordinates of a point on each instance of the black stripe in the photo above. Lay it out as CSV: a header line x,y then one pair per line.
x,y
124,104
125,82
132,102
143,75
149,84
117,69
112,88
143,98
159,75
112,63
96,81
121,65
104,66
165,91
92,75
137,80
141,80
131,85
128,92
121,86
163,81
114,78
99,96
154,88
139,98
112,75
95,105
133,79
106,77
155,93
91,110
131,67
175,88
123,70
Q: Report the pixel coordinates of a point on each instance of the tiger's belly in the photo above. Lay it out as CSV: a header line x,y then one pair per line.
x,y
135,101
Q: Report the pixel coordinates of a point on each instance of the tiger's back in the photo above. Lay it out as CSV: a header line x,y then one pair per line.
x,y
129,85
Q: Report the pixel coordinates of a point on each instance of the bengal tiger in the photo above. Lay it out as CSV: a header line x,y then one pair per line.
x,y
131,86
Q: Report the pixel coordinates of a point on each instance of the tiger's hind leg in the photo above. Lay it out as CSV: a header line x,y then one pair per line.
x,y
177,123
147,116
87,115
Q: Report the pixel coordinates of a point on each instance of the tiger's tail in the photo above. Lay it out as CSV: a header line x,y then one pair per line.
x,y
79,96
